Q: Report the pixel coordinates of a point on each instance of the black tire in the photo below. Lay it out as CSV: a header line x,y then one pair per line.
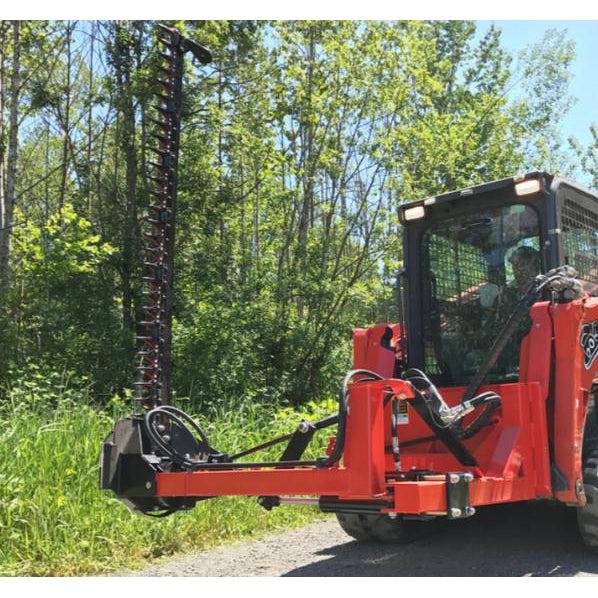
x,y
590,432
369,527
587,516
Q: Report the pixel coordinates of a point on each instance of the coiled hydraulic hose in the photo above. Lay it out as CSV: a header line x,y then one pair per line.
x,y
156,428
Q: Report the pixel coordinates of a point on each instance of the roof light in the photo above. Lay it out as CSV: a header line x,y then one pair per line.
x,y
429,201
527,187
414,213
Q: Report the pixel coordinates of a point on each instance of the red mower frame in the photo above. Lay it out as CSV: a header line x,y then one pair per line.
x,y
513,455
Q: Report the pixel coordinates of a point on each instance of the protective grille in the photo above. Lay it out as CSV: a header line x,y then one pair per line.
x,y
456,273
459,269
580,242
474,270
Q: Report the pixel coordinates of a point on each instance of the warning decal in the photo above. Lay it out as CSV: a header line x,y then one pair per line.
x,y
403,413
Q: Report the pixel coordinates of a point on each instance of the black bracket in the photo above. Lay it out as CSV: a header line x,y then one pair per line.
x,y
128,468
458,505
445,435
293,452
202,54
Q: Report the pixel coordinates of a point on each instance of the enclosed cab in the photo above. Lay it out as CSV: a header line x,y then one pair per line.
x,y
470,254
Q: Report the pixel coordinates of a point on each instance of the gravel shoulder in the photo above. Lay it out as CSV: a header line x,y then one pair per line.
x,y
513,540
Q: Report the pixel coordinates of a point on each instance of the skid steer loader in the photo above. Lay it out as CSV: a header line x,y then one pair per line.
x,y
482,393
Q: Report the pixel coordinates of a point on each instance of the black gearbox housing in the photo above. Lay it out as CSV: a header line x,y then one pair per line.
x,y
128,467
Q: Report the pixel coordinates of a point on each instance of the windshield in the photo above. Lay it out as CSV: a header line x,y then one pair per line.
x,y
474,270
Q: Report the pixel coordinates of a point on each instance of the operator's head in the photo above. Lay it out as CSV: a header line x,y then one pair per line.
x,y
526,265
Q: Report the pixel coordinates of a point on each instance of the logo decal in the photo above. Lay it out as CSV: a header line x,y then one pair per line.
x,y
589,343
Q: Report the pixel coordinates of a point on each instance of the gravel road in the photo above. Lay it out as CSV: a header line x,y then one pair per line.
x,y
510,540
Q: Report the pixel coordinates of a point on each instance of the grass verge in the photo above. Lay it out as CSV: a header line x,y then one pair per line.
x,y
55,521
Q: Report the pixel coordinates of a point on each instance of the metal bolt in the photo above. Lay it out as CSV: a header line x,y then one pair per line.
x,y
161,428
455,513
166,438
148,485
303,427
580,490
454,478
469,511
468,477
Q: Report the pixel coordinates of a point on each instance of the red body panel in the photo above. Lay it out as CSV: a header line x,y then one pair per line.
x,y
572,385
369,352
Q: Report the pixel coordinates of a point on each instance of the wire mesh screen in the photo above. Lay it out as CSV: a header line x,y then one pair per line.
x,y
580,242
474,271
459,268
456,272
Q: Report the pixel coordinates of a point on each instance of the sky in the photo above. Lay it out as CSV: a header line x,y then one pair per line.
x,y
516,35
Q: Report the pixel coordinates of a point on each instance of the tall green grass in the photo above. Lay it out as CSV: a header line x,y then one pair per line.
x,y
55,521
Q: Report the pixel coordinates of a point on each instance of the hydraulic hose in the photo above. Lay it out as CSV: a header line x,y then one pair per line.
x,y
157,416
447,417
339,443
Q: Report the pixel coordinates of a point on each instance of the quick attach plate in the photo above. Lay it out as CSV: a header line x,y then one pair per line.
x,y
457,495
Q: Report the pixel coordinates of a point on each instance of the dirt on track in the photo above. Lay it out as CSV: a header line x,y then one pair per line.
x,y
538,539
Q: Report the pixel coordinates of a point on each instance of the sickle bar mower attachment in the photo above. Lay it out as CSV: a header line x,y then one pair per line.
x,y
153,384
403,449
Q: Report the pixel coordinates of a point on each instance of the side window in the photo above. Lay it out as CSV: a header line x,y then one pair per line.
x,y
580,243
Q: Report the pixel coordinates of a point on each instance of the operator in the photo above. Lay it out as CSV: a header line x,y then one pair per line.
x,y
526,266
480,328
499,303
525,262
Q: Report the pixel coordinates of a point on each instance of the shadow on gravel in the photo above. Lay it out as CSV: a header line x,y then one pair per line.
x,y
538,539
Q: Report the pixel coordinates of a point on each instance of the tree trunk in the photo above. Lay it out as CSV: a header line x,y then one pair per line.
x,y
127,110
90,99
2,133
67,119
307,143
7,207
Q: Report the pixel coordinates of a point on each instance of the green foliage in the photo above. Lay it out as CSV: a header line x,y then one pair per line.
x,y
588,157
55,521
62,247
298,144
65,313
543,102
